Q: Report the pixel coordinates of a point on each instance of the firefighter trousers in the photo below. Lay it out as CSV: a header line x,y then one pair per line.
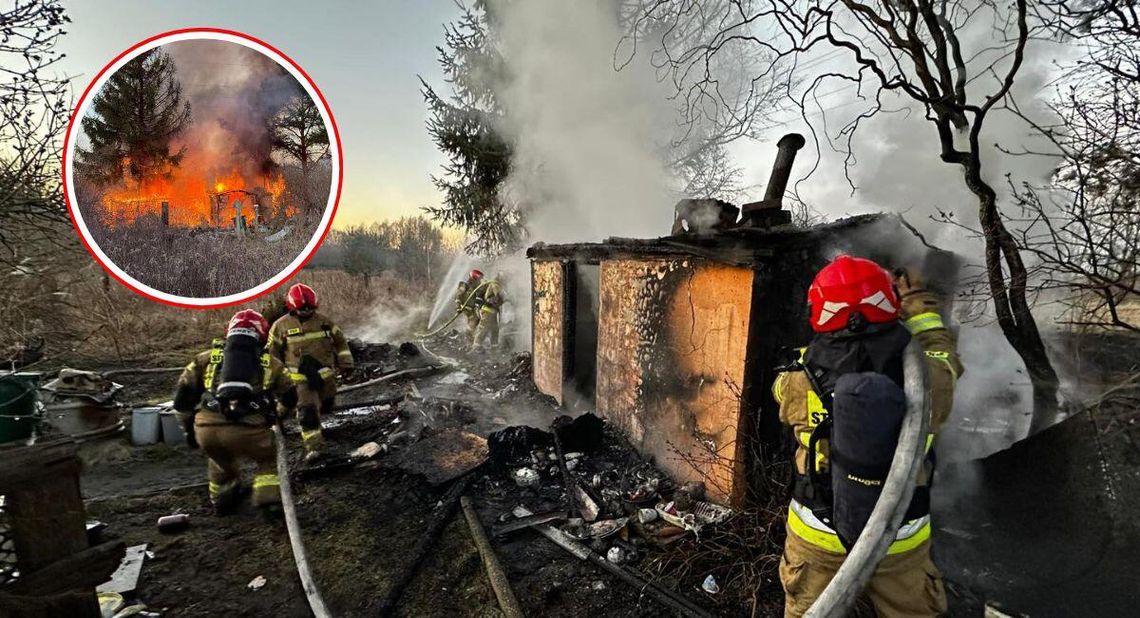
x,y
488,327
905,585
227,446
311,405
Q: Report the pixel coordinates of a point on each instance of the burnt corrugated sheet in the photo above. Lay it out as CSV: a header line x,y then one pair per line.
x,y
548,281
672,341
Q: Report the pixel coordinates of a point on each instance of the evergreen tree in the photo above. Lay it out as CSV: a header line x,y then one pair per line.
x,y
464,127
133,121
299,133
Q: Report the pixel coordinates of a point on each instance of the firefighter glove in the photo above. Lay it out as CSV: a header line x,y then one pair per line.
x,y
915,298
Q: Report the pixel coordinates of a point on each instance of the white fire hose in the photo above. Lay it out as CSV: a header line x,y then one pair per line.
x,y
840,595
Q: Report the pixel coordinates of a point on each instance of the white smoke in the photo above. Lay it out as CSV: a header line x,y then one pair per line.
x,y
588,139
897,168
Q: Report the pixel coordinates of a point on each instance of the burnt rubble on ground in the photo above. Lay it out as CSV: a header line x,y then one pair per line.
x,y
599,492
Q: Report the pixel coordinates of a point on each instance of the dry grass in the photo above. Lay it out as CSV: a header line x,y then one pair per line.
x,y
197,263
84,319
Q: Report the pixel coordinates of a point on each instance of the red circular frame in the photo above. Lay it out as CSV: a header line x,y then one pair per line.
x,y
71,208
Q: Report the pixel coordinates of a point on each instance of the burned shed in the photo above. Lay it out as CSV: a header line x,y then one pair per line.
x,y
676,340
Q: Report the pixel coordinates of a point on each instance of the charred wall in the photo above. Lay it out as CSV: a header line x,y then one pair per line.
x,y
548,285
672,342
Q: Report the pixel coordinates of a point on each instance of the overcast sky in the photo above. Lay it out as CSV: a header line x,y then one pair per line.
x,y
364,56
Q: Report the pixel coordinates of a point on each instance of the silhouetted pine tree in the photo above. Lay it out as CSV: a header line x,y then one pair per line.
x,y
464,127
133,120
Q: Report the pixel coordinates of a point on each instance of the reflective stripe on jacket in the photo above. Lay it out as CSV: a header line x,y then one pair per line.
x,y
802,409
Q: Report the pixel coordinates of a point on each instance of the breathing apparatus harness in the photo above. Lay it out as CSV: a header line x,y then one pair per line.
x,y
857,376
237,363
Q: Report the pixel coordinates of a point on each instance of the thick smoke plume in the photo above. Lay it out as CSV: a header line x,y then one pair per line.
x,y
234,93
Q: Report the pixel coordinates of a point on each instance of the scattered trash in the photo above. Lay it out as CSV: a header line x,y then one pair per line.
x,y
368,450
517,442
587,506
449,454
581,434
526,477
646,516
150,555
616,555
132,610
126,577
454,378
578,529
110,603
279,234
257,583
95,532
173,523
710,586
598,585
708,514
525,522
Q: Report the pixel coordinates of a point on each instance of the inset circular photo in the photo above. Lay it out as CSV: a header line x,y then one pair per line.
x,y
202,168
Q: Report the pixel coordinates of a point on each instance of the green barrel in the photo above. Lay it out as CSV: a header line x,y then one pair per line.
x,y
18,405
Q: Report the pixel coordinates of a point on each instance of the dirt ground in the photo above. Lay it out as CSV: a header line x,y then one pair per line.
x,y
359,524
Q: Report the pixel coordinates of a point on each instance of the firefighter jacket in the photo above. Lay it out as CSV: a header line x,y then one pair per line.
x,y
202,375
291,339
802,409
489,296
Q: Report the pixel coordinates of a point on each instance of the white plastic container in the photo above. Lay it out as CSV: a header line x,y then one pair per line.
x,y
146,426
172,432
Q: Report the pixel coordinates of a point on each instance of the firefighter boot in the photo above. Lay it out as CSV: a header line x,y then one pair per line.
x,y
228,498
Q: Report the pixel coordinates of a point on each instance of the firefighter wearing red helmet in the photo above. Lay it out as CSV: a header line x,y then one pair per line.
x,y
226,398
863,319
316,352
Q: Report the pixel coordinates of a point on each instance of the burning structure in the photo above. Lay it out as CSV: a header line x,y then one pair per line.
x,y
223,154
676,340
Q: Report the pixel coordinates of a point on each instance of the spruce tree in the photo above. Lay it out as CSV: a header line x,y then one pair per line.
x,y
464,127
133,121
300,134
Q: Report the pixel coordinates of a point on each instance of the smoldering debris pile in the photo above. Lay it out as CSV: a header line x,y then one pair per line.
x,y
377,359
585,478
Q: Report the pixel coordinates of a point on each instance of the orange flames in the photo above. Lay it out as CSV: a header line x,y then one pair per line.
x,y
196,197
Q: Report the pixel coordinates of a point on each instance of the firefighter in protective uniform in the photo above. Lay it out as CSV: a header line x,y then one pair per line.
x,y
316,352
225,399
465,300
863,319
489,299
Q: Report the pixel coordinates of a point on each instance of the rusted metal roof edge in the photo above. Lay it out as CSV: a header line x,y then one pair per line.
x,y
744,246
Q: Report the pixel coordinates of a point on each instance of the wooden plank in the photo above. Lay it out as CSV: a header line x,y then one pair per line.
x,y
47,519
20,465
78,571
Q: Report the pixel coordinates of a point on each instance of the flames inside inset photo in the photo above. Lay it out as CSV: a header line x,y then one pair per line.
x,y
202,168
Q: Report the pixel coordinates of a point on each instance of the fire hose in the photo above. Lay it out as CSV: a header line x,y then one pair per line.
x,y
308,584
871,546
458,312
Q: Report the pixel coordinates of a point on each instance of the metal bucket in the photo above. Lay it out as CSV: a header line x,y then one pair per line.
x,y
172,432
81,418
18,405
146,426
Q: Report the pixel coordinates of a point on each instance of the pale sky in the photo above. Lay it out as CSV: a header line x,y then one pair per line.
x,y
364,56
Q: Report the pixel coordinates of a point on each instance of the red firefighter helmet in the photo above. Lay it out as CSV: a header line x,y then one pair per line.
x,y
248,322
300,296
476,274
850,285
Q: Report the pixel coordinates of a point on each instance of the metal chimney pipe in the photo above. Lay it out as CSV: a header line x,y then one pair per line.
x,y
782,169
